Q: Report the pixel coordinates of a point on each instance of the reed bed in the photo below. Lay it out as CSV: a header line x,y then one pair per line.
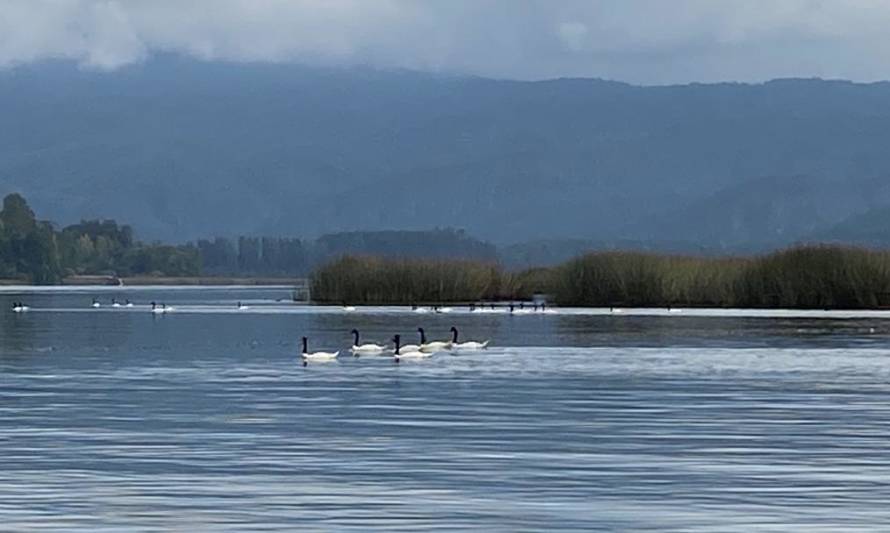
x,y
803,277
374,280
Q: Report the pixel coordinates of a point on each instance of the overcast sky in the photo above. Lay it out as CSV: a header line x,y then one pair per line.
x,y
640,41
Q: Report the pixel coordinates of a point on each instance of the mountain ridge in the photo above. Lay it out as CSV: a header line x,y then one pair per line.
x,y
184,149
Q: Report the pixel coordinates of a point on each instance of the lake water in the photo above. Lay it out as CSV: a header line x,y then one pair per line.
x,y
204,419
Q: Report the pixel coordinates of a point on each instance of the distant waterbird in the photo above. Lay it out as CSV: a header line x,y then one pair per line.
x,y
407,352
316,357
368,348
468,345
434,346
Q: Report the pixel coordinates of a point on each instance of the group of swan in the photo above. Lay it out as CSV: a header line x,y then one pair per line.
x,y
114,303
19,307
408,351
161,309
434,309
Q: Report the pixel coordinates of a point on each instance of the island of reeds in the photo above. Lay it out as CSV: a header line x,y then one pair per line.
x,y
802,277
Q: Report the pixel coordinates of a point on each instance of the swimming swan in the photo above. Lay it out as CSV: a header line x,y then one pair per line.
x,y
316,356
114,303
435,346
19,307
409,347
160,309
358,349
242,307
407,354
469,345
96,304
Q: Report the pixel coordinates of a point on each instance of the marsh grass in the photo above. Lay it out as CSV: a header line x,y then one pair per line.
x,y
807,277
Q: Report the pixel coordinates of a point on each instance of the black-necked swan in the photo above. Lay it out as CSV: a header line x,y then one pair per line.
x,y
96,304
469,345
129,303
114,303
242,307
435,346
347,307
405,353
364,348
316,356
409,347
19,307
158,309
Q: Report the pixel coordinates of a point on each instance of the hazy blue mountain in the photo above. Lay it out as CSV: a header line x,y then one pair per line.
x,y
871,228
182,149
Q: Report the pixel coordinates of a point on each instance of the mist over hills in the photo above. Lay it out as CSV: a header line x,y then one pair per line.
x,y
183,149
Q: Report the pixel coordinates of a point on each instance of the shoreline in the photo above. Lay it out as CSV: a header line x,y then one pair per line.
x,y
142,281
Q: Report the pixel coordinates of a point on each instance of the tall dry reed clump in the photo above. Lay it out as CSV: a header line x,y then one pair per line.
x,y
373,280
808,277
816,276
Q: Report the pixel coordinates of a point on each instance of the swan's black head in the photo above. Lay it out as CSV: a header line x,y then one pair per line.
x,y
354,332
453,329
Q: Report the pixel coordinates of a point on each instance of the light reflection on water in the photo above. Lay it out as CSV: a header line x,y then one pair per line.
x,y
205,420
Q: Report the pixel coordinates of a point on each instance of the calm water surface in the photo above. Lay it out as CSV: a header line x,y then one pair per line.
x,y
204,419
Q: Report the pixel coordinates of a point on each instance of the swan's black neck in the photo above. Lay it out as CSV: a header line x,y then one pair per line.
x,y
422,335
355,334
454,335
305,345
397,340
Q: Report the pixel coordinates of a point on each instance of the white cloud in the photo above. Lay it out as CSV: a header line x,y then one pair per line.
x,y
647,41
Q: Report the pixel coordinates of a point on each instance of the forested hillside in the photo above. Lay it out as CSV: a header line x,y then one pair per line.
x,y
185,149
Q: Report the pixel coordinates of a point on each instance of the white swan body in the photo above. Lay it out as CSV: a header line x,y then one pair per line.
x,y
129,304
96,304
316,356
466,346
115,304
20,308
367,348
320,356
435,346
421,310
407,352
444,310
242,307
470,345
349,308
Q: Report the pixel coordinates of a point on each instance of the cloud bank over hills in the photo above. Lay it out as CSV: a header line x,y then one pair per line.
x,y
639,41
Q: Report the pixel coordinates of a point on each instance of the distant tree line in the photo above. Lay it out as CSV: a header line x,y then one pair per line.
x,y
34,251
294,257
